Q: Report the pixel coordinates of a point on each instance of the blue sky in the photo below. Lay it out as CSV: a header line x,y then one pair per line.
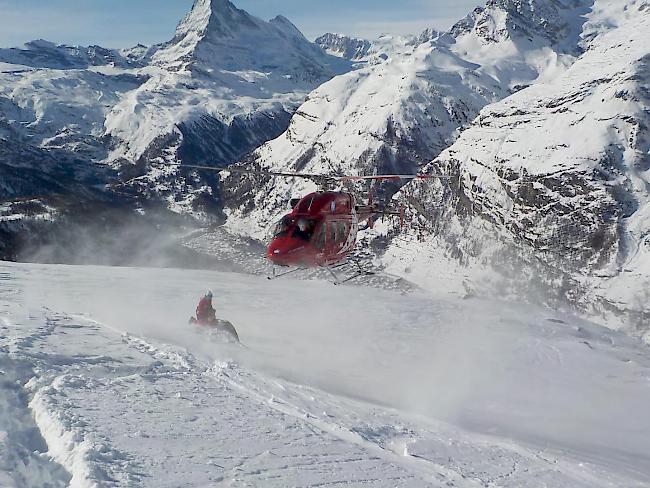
x,y
122,23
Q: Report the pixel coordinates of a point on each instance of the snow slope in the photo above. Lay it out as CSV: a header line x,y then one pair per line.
x,y
104,384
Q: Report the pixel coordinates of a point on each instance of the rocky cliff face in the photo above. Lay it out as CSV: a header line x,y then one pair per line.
x,y
346,47
557,23
551,185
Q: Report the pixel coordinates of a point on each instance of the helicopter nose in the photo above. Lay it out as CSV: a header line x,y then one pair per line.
x,y
284,252
276,251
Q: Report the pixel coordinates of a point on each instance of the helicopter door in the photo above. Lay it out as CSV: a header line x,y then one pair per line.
x,y
336,236
319,238
330,237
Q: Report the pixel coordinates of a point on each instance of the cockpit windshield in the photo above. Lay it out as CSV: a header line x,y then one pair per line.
x,y
283,227
300,227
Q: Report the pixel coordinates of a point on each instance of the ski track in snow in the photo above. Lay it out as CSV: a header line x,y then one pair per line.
x,y
88,400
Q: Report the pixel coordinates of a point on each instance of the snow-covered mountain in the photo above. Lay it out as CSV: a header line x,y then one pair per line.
x,y
521,41
395,115
551,185
225,71
216,35
549,191
391,117
537,109
45,54
226,83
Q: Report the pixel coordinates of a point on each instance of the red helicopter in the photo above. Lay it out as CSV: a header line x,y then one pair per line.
x,y
321,229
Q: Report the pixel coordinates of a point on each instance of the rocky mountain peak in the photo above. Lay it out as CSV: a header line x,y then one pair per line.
x,y
220,19
216,35
286,26
208,21
346,47
553,22
429,34
214,18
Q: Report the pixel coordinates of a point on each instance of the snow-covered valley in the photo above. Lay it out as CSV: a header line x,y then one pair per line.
x,y
105,384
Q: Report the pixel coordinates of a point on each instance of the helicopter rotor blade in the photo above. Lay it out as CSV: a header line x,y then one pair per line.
x,y
258,172
313,176
393,177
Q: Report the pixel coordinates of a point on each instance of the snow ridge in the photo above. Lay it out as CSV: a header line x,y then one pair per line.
x,y
47,55
83,454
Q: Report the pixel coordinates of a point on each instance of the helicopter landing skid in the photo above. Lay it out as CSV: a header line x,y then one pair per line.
x,y
275,275
358,274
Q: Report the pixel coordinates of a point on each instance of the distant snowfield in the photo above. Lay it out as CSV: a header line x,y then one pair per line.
x,y
103,383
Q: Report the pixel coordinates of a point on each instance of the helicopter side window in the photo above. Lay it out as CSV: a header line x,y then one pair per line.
x,y
282,227
343,204
337,232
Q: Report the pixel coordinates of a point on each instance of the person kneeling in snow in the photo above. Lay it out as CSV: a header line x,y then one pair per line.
x,y
205,314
